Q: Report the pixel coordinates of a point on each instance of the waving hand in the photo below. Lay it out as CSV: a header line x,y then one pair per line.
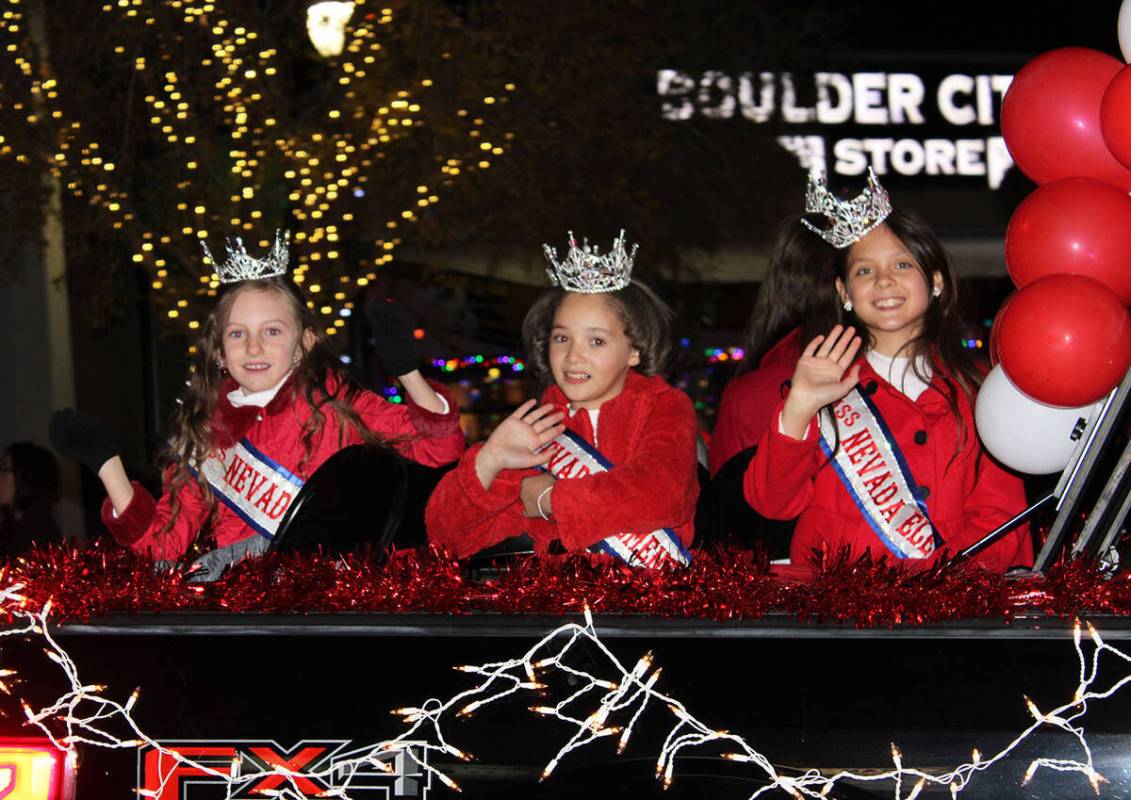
x,y
824,374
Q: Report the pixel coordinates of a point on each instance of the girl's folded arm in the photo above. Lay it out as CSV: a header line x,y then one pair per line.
x,y
465,518
655,488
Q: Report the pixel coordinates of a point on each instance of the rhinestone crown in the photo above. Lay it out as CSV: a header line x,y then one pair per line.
x,y
242,267
585,270
850,220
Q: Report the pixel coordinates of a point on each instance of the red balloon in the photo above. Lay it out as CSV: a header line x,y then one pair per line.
x,y
1115,117
1076,225
1065,340
995,328
1050,117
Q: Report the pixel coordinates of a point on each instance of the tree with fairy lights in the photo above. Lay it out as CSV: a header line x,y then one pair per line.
x,y
178,121
184,118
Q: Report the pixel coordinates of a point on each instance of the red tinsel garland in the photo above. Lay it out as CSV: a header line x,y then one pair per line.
x,y
720,585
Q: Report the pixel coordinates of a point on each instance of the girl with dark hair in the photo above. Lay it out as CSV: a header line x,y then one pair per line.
x,y
874,447
800,269
29,485
267,403
607,461
799,272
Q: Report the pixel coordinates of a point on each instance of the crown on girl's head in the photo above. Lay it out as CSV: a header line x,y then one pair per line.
x,y
851,219
242,267
585,270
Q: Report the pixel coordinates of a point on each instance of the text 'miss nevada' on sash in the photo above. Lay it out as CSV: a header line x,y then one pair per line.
x,y
256,488
872,468
573,457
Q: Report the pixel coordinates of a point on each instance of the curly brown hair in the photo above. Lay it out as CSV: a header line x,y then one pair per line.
x,y
319,380
647,321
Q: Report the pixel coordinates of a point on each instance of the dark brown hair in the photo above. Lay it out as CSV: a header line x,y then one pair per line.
x,y
647,321
319,380
799,275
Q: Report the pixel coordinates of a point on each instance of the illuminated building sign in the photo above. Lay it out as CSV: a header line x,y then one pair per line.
x,y
895,122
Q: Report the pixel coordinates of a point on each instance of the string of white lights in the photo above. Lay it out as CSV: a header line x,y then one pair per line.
x,y
600,707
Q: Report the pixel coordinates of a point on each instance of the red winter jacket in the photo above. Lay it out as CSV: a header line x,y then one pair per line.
x,y
647,432
968,494
276,430
750,402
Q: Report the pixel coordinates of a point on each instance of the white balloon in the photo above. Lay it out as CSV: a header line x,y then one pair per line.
x,y
1024,434
1124,29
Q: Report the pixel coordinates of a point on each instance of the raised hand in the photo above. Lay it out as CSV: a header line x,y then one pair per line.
x,y
517,442
392,327
81,438
824,374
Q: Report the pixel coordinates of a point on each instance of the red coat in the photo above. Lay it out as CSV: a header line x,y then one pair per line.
x,y
647,432
750,401
426,437
968,494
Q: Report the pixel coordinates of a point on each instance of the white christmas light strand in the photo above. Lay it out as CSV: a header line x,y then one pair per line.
x,y
614,708
85,715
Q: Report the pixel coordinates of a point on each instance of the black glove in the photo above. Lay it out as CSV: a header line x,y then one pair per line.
x,y
81,438
391,326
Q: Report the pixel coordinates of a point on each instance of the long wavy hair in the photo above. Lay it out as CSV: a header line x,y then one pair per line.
x,y
799,274
647,321
318,381
940,340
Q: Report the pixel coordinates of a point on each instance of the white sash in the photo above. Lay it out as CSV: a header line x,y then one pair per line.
x,y
256,488
575,458
873,470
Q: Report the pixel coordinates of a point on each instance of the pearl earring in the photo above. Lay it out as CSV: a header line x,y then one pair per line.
x,y
847,305
936,292
295,359
220,364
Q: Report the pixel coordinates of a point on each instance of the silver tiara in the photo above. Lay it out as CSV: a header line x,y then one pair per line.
x,y
242,267
585,270
851,219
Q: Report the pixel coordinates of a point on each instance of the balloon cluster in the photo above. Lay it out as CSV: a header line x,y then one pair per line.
x,y
1062,341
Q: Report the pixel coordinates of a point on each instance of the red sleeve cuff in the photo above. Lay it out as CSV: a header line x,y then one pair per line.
x,y
431,424
135,520
504,489
566,509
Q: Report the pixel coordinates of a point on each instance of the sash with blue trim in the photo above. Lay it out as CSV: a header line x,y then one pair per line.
x,y
251,484
575,458
872,468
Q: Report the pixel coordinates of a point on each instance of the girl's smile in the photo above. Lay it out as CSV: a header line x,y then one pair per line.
x,y
887,303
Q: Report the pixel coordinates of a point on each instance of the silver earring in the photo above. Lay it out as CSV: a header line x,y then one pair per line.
x,y
220,364
295,359
936,292
847,305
